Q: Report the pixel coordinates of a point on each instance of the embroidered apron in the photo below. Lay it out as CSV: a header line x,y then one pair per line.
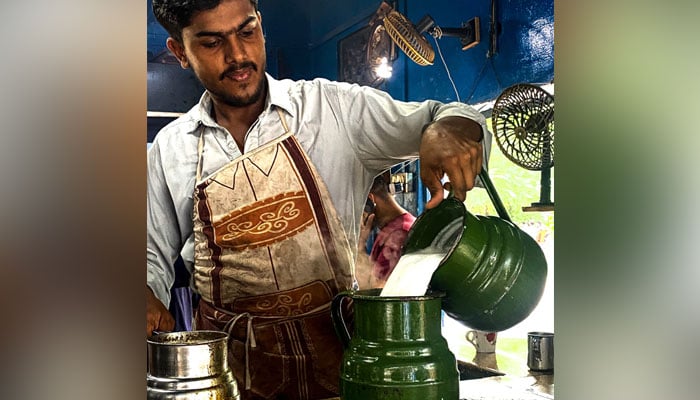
x,y
270,254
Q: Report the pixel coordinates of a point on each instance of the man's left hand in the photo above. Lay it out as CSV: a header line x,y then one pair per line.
x,y
450,146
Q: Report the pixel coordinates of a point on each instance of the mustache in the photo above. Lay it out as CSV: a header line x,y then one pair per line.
x,y
236,67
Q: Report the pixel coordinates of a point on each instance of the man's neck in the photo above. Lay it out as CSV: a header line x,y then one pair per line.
x,y
237,120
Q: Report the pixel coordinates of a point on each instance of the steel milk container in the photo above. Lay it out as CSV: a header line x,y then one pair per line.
x,y
189,365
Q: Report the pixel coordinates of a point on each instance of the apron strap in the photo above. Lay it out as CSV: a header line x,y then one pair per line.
x,y
200,148
283,120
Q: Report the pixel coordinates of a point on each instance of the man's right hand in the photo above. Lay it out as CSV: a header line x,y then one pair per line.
x,y
157,316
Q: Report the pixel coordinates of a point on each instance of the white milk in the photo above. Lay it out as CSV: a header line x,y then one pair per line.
x,y
413,272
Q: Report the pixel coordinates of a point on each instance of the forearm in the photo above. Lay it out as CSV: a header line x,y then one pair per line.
x,y
163,242
160,280
161,252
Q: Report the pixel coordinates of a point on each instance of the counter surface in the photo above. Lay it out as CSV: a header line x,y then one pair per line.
x,y
510,358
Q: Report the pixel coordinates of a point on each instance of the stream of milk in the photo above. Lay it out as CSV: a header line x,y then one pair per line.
x,y
413,272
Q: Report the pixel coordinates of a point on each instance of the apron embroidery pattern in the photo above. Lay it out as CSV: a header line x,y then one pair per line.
x,y
265,222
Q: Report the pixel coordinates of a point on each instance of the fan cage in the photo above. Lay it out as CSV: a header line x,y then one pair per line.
x,y
408,40
523,123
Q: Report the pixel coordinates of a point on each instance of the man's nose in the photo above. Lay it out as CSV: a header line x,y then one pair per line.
x,y
235,51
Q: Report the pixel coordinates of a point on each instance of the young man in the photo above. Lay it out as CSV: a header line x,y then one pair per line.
x,y
259,188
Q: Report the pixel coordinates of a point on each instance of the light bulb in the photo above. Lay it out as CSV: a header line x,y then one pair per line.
x,y
383,70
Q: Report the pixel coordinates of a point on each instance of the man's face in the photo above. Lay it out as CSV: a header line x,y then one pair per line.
x,y
226,49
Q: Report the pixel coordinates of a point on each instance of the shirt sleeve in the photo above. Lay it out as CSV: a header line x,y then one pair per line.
x,y
382,128
162,240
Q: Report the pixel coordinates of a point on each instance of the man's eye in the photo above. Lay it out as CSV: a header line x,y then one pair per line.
x,y
246,33
211,44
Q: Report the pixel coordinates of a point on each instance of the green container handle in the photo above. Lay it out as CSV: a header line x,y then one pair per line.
x,y
491,190
341,329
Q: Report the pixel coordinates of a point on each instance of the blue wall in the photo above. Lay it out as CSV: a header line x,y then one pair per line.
x,y
302,41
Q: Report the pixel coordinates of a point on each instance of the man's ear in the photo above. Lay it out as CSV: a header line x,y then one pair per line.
x,y
178,50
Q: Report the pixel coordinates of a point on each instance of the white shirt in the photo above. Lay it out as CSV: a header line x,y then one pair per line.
x,y
351,133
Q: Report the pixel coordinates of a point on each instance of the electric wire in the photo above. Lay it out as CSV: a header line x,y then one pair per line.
x,y
449,76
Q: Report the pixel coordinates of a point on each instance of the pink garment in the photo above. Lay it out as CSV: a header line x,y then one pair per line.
x,y
386,250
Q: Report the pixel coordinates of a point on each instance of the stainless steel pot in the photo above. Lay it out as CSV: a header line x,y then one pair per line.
x,y
189,365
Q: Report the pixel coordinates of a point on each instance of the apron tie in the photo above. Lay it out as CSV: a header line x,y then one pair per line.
x,y
249,340
250,332
249,336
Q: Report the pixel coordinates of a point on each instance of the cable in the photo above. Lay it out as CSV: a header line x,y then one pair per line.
x,y
449,76
477,79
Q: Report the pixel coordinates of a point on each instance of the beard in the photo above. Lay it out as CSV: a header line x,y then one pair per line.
x,y
244,100
240,100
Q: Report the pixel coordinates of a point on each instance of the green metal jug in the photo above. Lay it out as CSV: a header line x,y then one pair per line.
x,y
397,351
493,273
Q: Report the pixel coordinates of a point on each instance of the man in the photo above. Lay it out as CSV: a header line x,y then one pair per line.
x,y
259,188
393,222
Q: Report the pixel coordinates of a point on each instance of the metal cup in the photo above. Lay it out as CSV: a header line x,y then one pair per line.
x,y
540,351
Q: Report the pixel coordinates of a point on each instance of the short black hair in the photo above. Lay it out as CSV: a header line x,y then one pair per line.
x,y
380,185
175,15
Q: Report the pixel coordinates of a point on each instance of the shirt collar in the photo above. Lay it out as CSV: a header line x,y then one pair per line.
x,y
277,95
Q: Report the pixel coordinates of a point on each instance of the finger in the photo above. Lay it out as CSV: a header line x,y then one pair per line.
x,y
469,174
151,324
470,168
458,184
432,182
477,162
166,322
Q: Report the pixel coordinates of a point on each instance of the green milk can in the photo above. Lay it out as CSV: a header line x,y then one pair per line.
x,y
396,351
493,274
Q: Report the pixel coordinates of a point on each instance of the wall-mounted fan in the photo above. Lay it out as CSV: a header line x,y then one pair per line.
x,y
410,39
523,123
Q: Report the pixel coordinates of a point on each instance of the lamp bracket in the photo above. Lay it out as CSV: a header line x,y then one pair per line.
x,y
468,34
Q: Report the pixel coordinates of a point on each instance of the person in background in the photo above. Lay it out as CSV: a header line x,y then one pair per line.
x,y
363,266
393,222
259,187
